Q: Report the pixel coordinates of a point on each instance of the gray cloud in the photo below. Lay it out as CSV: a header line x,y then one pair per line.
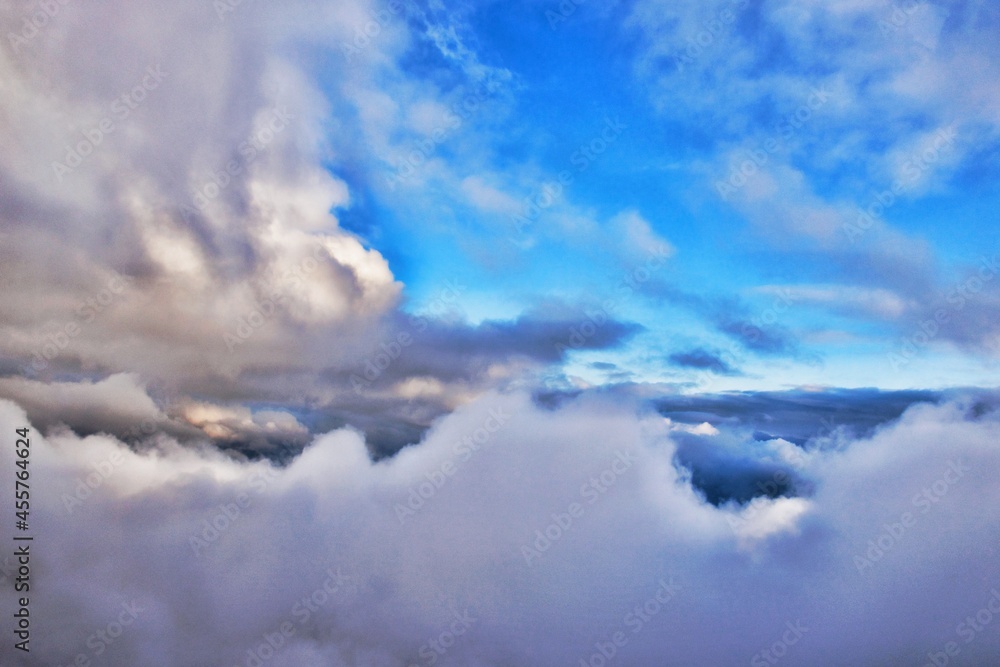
x,y
175,219
217,554
737,320
188,317
702,359
796,415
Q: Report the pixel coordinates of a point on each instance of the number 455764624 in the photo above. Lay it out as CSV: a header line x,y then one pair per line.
x,y
21,489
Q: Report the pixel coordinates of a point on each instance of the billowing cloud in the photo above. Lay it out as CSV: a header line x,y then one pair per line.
x,y
357,333
189,226
166,555
184,204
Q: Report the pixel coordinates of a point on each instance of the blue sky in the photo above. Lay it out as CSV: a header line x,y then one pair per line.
x,y
428,308
685,131
686,196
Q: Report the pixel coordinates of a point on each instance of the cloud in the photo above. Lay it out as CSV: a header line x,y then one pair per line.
x,y
760,331
797,415
189,217
876,303
247,447
702,359
419,368
215,555
803,116
636,238
223,214
113,405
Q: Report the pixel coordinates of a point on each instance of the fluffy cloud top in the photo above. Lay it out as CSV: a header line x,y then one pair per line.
x,y
178,219
516,535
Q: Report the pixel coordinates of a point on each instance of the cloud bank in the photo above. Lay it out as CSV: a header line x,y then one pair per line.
x,y
516,534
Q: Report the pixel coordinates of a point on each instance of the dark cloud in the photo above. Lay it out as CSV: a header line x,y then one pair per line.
x,y
753,438
603,366
702,359
773,340
796,415
392,390
752,329
450,351
726,468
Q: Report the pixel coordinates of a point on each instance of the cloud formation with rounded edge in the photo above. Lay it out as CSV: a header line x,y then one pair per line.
x,y
179,219
532,536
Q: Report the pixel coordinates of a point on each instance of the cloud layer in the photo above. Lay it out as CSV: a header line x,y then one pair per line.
x,y
546,532
305,305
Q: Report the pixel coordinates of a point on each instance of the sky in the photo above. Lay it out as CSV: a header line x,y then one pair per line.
x,y
293,262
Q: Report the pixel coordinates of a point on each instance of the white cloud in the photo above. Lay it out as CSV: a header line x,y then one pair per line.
x,y
484,488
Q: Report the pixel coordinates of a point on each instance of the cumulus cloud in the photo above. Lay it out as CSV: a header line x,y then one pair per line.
x,y
442,552
189,224
251,446
184,204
